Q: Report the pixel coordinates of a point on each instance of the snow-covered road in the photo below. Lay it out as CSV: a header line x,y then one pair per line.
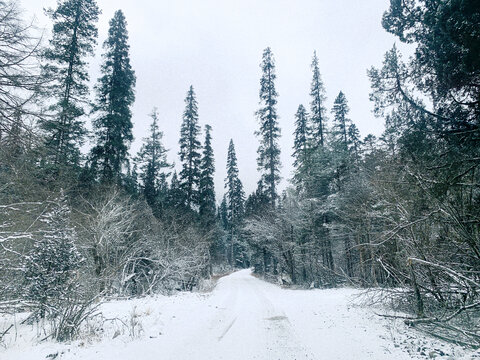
x,y
243,318
247,318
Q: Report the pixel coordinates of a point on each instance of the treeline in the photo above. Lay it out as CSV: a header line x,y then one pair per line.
x,y
76,225
400,211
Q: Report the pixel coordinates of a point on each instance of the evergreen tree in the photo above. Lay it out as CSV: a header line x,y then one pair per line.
x,y
257,202
301,145
393,131
223,212
235,206
152,160
131,180
340,161
269,150
115,96
51,265
207,188
190,150
317,108
354,141
176,196
235,193
340,121
223,238
369,144
74,37
445,65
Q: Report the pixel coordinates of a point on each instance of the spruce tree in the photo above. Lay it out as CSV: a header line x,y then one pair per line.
x,y
341,161
317,108
190,150
151,161
235,205
207,188
176,196
392,133
115,96
269,151
131,180
223,213
51,265
224,239
340,121
257,202
369,144
354,141
73,39
235,193
301,145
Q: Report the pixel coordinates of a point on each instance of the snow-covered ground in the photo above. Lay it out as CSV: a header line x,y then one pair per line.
x,y
242,318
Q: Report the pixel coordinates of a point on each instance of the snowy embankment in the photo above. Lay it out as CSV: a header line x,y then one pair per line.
x,y
243,318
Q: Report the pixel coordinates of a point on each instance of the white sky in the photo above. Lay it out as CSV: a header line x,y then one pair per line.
x,y
216,45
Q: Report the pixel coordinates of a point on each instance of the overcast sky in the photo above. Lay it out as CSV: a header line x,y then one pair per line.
x,y
216,45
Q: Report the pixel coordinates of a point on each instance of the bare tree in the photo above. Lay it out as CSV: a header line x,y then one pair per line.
x,y
109,225
20,71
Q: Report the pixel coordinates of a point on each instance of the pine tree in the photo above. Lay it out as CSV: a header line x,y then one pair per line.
x,y
317,108
51,265
151,161
301,145
190,150
74,37
207,188
340,121
115,96
269,151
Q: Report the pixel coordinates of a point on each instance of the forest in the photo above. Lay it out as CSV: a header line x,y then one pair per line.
x,y
397,214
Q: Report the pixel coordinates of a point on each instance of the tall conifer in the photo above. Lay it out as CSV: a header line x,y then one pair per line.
x,y
152,160
176,196
317,107
73,39
115,96
207,187
190,150
235,192
235,205
341,121
269,151
301,145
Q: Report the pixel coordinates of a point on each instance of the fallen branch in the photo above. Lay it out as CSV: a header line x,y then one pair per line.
x,y
451,340
411,321
448,270
5,332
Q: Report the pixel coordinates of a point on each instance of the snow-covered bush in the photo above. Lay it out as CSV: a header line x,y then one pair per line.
x,y
174,256
131,252
52,264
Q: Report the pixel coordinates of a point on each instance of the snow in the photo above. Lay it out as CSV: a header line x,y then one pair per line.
x,y
242,318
